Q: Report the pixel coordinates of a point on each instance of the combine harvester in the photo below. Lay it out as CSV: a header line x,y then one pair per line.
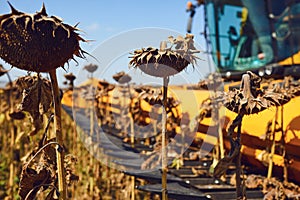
x,y
262,37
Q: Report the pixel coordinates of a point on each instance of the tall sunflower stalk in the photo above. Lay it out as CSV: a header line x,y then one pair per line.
x,y
39,43
247,100
165,62
12,132
123,78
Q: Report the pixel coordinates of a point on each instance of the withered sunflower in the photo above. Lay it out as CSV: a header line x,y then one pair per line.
x,y
70,77
250,99
155,97
91,68
122,77
37,42
165,61
103,84
212,82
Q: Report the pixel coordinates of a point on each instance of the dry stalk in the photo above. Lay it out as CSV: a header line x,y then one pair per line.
x,y
164,62
163,141
12,143
270,167
132,134
92,124
59,137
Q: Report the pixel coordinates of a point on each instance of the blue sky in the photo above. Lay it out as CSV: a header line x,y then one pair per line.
x,y
101,20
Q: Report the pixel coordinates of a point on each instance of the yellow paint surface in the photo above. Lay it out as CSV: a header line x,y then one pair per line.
x,y
256,124
295,59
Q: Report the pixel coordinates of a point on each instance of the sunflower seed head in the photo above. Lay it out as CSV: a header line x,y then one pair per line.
x,y
36,42
167,60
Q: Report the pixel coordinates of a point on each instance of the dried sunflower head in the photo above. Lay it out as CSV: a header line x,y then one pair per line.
x,y
103,84
166,61
104,87
154,96
213,81
250,99
122,77
91,68
70,77
37,42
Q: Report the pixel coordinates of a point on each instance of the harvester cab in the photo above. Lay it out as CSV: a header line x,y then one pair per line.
x,y
258,35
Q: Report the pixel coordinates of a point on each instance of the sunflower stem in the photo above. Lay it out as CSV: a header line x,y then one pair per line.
x,y
163,140
92,124
132,136
271,155
59,136
239,188
12,140
285,166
